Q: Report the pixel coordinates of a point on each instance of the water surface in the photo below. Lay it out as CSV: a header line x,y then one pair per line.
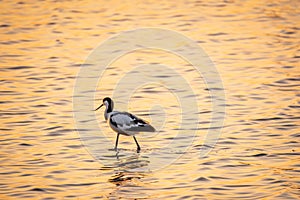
x,y
255,47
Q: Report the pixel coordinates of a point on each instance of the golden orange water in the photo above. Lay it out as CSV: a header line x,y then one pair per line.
x,y
255,48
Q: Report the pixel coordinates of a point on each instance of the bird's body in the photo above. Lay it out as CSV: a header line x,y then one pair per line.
x,y
123,122
128,124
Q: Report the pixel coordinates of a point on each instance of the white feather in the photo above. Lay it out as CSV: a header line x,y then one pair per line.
x,y
128,124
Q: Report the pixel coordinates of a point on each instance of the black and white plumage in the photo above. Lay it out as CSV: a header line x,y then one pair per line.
x,y
123,122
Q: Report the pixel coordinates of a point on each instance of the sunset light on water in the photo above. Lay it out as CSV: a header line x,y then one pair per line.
x,y
48,152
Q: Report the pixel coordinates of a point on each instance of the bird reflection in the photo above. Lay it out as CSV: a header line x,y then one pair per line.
x,y
129,172
126,180
123,178
130,162
128,168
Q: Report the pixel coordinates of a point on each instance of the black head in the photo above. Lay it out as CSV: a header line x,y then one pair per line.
x,y
108,103
107,99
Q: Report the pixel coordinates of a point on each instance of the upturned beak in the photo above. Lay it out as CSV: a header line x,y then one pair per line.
x,y
99,107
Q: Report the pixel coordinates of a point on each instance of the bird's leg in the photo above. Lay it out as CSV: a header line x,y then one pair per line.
x,y
117,140
137,144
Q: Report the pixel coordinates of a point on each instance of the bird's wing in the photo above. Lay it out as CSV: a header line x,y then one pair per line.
x,y
128,122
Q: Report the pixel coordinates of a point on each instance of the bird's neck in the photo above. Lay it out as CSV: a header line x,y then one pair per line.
x,y
108,110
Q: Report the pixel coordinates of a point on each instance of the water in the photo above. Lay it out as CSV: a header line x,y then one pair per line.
x,y
255,47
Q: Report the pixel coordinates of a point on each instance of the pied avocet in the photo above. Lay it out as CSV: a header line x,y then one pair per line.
x,y
123,122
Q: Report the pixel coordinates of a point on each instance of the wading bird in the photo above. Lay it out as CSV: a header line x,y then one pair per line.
x,y
123,122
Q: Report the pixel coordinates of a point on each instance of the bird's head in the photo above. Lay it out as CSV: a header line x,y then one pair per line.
x,y
107,102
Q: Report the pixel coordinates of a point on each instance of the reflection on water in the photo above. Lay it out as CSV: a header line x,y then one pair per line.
x,y
255,46
128,174
125,160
